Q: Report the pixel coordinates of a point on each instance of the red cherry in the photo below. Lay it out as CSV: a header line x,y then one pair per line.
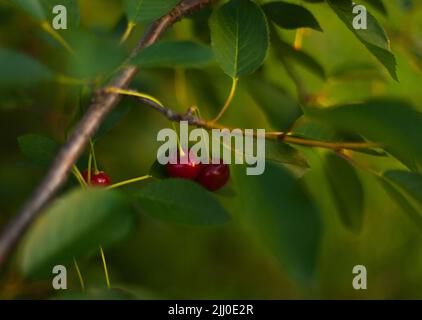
x,y
100,179
214,176
85,175
189,170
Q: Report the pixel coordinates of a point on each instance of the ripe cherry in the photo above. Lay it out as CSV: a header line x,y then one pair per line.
x,y
189,170
214,176
100,179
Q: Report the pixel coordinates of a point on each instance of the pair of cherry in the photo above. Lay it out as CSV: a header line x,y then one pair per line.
x,y
212,176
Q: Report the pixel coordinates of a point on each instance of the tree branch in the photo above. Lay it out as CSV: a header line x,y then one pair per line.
x,y
103,102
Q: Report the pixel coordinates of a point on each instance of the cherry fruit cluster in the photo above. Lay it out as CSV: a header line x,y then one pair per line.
x,y
211,176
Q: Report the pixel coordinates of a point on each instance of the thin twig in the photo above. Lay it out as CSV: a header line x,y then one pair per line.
x,y
281,136
101,106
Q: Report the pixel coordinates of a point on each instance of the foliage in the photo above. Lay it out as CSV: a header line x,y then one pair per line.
x,y
303,75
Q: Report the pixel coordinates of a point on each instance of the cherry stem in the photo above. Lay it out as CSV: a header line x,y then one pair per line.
x,y
228,101
134,94
181,151
89,168
299,38
78,271
128,31
78,176
288,138
126,182
94,158
105,267
198,114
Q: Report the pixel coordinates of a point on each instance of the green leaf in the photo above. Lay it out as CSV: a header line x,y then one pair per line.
x,y
280,108
158,170
73,226
172,54
284,49
90,48
374,38
138,11
409,182
290,16
275,151
181,201
377,4
357,71
112,119
392,123
239,37
31,7
72,7
347,191
37,148
280,213
310,129
283,154
18,69
406,5
406,189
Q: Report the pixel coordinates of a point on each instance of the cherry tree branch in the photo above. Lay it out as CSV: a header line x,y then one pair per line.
x,y
102,103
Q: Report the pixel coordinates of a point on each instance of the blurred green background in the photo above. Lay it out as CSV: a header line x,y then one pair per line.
x,y
163,260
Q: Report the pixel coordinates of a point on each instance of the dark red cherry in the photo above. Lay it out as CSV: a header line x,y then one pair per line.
x,y
214,176
99,179
189,170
